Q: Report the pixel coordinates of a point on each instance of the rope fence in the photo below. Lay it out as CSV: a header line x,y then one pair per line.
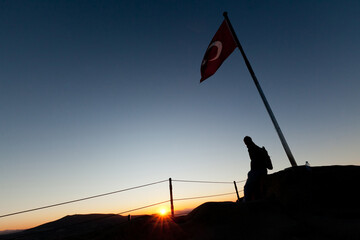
x,y
82,199
193,181
172,200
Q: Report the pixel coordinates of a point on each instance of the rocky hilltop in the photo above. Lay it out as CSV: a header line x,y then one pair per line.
x,y
300,203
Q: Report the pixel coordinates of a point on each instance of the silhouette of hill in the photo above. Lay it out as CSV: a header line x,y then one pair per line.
x,y
10,231
300,203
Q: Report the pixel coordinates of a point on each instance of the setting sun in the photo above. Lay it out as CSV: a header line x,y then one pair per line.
x,y
163,211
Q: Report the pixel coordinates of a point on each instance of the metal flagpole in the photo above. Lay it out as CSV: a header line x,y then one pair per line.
x,y
273,119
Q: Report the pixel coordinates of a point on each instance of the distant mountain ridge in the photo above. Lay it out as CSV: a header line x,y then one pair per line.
x,y
300,203
5,232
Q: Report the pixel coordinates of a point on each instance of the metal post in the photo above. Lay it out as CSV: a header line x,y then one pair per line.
x,y
171,198
273,119
237,192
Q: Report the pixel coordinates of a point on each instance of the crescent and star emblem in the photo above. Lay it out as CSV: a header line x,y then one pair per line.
x,y
218,45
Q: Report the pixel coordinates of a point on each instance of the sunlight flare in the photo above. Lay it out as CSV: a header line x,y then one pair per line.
x,y
163,212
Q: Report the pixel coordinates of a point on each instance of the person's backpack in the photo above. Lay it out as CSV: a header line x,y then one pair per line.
x,y
267,159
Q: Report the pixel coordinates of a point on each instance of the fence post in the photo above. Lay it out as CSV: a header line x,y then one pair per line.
x,y
237,192
171,198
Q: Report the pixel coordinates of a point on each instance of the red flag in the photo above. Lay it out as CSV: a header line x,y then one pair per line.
x,y
220,47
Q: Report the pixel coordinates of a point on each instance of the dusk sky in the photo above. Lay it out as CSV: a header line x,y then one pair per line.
x,y
97,96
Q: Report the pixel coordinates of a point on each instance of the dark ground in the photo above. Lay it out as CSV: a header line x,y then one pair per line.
x,y
320,203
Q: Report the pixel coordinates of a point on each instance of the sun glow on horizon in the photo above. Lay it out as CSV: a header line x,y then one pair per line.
x,y
163,212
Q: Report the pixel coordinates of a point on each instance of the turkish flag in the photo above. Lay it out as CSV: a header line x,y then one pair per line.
x,y
220,47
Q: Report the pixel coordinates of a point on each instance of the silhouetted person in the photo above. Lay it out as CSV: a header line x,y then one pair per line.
x,y
260,161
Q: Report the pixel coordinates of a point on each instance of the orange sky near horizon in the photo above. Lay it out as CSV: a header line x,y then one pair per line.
x,y
36,218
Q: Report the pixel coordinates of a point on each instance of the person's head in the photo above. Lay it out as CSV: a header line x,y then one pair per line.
x,y
248,141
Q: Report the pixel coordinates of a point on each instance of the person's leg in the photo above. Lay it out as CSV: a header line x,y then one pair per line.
x,y
249,188
246,191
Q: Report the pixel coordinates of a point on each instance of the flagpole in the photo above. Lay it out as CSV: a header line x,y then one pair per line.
x,y
273,119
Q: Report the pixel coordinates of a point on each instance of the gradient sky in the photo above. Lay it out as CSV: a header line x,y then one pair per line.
x,y
97,96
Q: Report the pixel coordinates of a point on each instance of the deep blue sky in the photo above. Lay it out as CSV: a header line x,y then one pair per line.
x,y
101,95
